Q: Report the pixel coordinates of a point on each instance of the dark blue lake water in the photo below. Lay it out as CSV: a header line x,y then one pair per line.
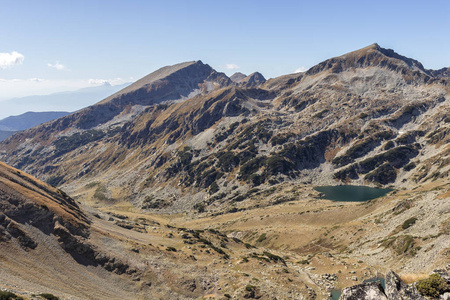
x,y
351,192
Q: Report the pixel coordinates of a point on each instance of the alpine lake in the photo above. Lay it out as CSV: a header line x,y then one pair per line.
x,y
351,193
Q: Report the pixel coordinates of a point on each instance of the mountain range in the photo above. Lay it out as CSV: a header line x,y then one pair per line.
x,y
229,164
62,101
188,132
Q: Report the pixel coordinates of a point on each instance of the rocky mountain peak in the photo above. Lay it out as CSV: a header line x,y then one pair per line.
x,y
238,76
170,83
371,56
251,80
254,78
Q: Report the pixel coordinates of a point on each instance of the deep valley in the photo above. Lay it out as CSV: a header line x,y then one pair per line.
x,y
189,184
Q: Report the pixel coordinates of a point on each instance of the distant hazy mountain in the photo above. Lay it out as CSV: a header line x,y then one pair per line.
x,y
4,134
13,124
253,79
64,101
238,76
29,119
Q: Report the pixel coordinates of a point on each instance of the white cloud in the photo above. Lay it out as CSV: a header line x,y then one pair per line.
x,y
115,81
35,79
231,66
301,69
58,66
10,59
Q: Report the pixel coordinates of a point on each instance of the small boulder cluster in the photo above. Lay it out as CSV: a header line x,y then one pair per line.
x,y
396,289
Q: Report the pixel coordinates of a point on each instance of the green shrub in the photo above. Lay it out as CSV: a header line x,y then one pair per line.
x,y
389,145
92,184
49,296
432,286
304,262
4,295
100,193
261,238
172,249
409,166
68,143
248,246
250,167
400,244
408,223
274,258
249,288
276,164
250,291
213,188
227,160
200,207
55,180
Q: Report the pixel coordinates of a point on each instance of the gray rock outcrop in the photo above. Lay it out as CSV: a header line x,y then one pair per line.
x,y
398,290
364,291
395,290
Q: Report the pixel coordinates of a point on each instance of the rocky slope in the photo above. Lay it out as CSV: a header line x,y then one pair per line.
x,y
186,135
44,241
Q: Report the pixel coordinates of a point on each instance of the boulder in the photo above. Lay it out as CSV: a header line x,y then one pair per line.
x,y
364,291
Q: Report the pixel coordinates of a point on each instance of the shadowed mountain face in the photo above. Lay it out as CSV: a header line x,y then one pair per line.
x,y
28,200
187,134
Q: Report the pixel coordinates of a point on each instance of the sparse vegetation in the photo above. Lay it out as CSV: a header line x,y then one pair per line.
x,y
151,203
4,295
55,180
408,223
250,291
68,143
100,193
274,258
261,238
304,262
432,286
49,296
400,244
199,207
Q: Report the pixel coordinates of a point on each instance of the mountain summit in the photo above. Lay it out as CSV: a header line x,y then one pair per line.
x,y
372,56
176,82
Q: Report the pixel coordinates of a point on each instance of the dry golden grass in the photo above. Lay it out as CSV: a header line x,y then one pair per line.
x,y
412,277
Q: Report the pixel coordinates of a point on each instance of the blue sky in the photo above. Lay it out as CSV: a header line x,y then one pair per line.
x,y
50,46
